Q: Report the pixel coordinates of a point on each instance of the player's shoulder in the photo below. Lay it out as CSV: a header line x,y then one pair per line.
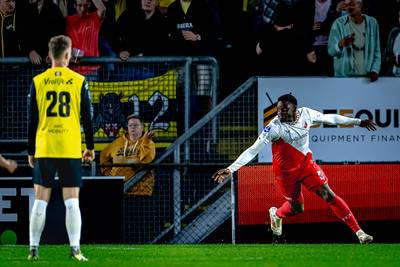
x,y
272,125
307,111
40,76
309,114
303,110
59,72
274,122
74,74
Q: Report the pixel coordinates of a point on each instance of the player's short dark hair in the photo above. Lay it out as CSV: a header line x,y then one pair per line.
x,y
288,97
58,45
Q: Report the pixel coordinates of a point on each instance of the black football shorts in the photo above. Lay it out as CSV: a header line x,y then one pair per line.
x,y
68,171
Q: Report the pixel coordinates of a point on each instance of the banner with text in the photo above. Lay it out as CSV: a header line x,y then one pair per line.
x,y
154,99
353,97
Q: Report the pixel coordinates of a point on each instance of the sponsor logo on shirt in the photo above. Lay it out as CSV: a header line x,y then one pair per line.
x,y
56,81
267,129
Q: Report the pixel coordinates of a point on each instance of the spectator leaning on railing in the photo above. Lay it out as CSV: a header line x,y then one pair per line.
x,y
40,15
192,33
83,28
354,43
325,12
392,51
285,46
142,32
135,147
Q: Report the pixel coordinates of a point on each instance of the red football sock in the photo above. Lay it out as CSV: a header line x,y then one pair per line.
x,y
343,212
285,210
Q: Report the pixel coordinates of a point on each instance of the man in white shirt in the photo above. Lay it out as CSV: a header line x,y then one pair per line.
x,y
293,165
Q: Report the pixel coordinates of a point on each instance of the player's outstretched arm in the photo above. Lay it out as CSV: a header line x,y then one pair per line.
x,y
369,124
242,160
221,175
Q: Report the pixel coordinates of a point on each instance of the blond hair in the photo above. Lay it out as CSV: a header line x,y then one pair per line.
x,y
58,45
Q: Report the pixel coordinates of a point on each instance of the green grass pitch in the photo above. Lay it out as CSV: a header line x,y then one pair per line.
x,y
210,255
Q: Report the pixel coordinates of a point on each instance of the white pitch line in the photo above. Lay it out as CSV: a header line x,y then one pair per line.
x,y
116,248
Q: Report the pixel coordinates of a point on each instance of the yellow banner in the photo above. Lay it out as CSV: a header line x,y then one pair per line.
x,y
154,99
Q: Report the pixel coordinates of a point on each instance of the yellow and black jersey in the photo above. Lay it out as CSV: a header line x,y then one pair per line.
x,y
58,98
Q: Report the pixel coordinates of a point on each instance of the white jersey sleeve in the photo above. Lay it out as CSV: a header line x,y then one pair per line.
x,y
333,119
268,134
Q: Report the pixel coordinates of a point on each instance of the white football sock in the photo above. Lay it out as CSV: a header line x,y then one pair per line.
x,y
37,221
73,221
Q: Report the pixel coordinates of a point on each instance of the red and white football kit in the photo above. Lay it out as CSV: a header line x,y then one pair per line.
x,y
292,161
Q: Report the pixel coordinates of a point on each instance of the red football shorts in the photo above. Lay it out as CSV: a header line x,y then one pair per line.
x,y
310,175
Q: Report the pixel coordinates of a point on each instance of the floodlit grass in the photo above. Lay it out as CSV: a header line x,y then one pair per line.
x,y
211,255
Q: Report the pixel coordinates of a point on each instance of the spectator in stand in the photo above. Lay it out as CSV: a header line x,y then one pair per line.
x,y
142,32
191,29
41,14
107,38
385,12
354,44
324,15
120,7
10,37
63,6
192,33
135,147
141,204
164,6
139,31
286,44
341,8
392,51
8,164
83,28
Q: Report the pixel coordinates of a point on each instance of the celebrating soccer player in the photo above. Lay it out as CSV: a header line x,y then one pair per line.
x,y
293,165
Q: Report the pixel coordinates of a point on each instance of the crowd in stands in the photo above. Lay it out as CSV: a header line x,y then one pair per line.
x,y
264,37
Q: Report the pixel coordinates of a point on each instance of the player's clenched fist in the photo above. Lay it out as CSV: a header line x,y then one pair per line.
x,y
221,175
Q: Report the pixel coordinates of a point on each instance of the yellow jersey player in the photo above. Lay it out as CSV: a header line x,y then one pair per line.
x,y
59,98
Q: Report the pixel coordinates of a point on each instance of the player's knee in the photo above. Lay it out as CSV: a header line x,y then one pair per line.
x,y
297,208
42,193
326,193
71,204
